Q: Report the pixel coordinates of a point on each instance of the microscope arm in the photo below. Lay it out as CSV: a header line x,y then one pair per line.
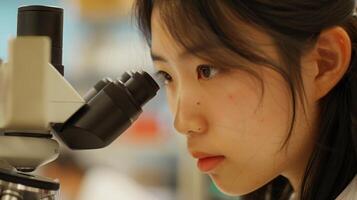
x,y
34,92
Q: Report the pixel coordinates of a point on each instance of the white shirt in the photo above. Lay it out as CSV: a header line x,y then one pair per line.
x,y
349,193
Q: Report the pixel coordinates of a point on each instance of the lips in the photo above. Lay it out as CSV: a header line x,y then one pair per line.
x,y
208,162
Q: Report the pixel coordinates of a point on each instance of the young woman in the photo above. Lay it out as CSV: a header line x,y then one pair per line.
x,y
264,91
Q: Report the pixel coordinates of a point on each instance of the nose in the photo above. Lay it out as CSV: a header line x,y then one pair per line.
x,y
189,118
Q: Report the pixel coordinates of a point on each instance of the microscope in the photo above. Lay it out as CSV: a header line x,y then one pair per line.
x,y
37,103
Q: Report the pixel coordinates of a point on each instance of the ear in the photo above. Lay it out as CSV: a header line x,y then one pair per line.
x,y
333,50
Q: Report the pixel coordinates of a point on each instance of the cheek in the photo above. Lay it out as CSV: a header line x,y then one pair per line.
x,y
257,124
231,98
235,106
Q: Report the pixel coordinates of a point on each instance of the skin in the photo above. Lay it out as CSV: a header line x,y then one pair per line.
x,y
220,113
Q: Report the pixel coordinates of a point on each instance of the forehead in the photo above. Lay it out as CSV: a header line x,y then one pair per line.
x,y
229,21
163,41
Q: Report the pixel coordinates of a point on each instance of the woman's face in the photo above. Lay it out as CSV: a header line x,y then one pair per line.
x,y
220,113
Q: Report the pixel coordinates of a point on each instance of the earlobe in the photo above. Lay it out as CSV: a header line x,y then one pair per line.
x,y
334,54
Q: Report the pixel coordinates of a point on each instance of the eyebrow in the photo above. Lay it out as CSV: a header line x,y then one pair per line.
x,y
182,55
156,57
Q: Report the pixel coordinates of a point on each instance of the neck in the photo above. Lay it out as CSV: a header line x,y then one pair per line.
x,y
296,174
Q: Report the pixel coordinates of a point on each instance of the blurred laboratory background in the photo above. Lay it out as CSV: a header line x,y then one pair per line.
x,y
150,160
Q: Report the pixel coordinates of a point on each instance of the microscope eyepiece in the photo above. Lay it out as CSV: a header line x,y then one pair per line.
x,y
142,87
125,77
111,107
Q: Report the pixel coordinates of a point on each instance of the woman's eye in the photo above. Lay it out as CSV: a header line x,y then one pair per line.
x,y
165,76
206,71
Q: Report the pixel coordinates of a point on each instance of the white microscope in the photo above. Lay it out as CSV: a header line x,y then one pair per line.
x,y
37,102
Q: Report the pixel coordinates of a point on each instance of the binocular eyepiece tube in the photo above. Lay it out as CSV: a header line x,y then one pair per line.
x,y
111,107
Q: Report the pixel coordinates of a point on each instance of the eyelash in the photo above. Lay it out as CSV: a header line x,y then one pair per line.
x,y
168,78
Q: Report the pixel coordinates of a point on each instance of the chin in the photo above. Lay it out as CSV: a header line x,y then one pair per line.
x,y
229,189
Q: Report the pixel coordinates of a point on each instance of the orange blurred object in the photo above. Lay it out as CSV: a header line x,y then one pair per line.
x,y
104,9
145,129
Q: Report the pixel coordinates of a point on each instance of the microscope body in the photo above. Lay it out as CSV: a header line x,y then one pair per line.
x,y
33,95
36,102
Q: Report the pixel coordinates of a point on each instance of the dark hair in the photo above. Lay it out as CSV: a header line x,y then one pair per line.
x,y
294,26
